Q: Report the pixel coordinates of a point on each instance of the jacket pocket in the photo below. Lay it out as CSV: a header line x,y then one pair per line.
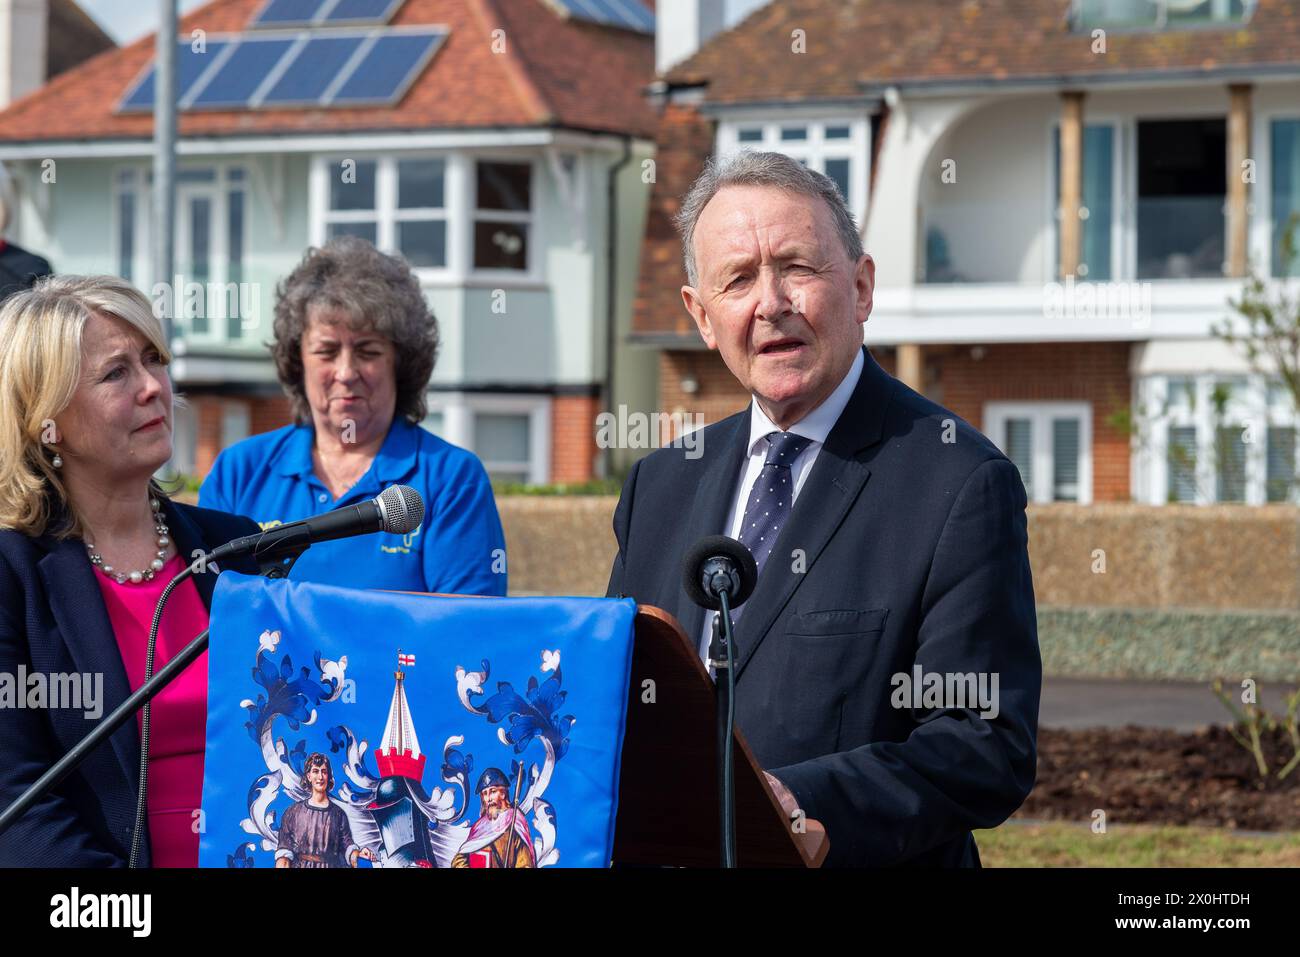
x,y
838,621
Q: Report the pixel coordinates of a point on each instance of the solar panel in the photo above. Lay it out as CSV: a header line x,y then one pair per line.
x,y
293,13
628,14
318,64
242,73
318,68
388,68
189,67
281,13
360,11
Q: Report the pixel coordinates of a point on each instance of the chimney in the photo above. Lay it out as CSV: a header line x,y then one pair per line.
x,y
23,40
682,27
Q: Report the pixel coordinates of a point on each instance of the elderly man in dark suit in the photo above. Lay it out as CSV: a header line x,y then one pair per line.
x,y
887,665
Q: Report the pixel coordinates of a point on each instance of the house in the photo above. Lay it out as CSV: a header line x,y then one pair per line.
x,y
459,133
39,39
1061,198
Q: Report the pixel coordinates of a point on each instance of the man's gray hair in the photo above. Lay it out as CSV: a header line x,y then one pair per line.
x,y
753,168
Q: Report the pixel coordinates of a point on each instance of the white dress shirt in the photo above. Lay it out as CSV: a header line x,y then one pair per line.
x,y
816,425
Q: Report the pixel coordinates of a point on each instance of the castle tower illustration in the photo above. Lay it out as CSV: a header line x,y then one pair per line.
x,y
399,754
399,801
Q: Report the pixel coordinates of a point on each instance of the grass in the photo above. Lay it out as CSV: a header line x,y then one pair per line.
x,y
1060,844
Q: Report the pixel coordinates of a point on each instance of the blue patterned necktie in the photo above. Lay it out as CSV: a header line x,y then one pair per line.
x,y
771,498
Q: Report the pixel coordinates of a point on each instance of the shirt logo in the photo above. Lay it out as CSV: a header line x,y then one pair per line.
x,y
405,547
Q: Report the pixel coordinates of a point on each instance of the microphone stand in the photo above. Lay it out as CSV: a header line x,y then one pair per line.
x,y
273,563
722,658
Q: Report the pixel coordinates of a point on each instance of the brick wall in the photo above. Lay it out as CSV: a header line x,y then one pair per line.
x,y
1093,372
573,438
265,413
684,141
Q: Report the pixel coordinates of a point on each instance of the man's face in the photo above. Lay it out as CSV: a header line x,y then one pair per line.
x,y
778,296
494,800
318,778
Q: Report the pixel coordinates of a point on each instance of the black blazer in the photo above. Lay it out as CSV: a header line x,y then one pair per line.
x,y
53,620
912,528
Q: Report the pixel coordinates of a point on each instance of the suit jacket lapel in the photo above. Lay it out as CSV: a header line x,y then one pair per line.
x,y
833,485
711,506
84,625
78,608
188,540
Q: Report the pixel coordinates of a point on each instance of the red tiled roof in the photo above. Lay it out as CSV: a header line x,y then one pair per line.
x,y
850,43
466,84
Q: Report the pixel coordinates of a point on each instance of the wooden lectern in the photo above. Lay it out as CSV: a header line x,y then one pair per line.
x,y
668,779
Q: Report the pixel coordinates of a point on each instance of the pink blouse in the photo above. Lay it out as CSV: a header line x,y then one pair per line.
x,y
178,721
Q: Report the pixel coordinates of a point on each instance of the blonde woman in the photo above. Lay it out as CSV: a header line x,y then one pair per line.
x,y
88,540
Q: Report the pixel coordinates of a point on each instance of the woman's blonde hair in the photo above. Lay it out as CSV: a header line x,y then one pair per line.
x,y
40,365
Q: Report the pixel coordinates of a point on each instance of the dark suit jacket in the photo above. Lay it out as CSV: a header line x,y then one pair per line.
x,y
915,551
53,620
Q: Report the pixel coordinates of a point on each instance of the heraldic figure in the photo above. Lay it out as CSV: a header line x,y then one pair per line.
x,y
315,832
492,841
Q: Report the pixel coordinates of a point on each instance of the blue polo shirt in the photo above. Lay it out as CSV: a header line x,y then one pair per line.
x,y
458,549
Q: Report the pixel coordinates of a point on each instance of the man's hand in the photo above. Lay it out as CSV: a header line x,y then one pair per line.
x,y
783,794
282,862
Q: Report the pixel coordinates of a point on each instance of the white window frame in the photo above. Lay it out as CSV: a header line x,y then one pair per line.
x,y
459,194
1121,131
142,257
1041,415
458,410
815,150
1247,408
1261,201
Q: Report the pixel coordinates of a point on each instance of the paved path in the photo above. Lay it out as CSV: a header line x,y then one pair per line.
x,y
1183,706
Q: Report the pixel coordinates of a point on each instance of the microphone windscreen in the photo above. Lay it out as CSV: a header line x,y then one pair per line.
x,y
402,509
718,546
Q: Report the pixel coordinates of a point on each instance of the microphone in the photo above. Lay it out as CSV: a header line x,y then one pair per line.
x,y
399,509
715,564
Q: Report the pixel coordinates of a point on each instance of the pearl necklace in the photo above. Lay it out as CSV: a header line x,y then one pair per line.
x,y
155,566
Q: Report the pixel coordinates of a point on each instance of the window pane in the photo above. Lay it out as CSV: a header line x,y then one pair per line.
x,y
1065,460
501,246
501,438
1098,199
420,183
1281,463
352,189
235,238
364,230
505,186
750,134
1230,453
200,250
125,234
837,132
202,175
1182,177
1182,463
433,423
1286,191
838,170
794,133
423,243
1020,450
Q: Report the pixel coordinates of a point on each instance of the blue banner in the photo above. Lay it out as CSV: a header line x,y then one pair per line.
x,y
351,728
